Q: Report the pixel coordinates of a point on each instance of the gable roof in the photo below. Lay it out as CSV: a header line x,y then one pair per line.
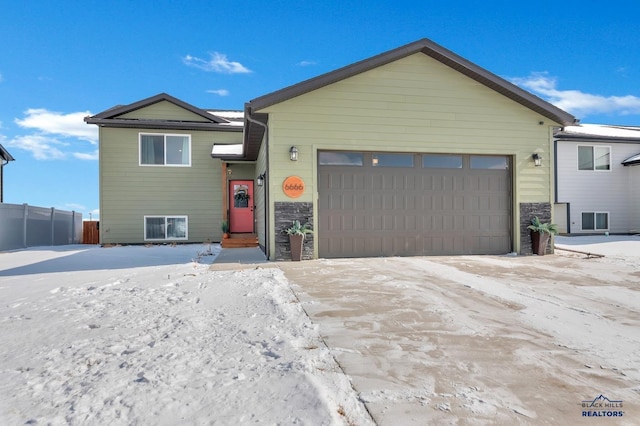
x,y
438,53
600,132
113,117
4,154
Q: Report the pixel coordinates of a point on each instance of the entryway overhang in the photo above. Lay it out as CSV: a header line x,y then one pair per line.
x,y
227,151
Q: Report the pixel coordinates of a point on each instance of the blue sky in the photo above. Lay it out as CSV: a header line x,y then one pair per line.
x,y
61,61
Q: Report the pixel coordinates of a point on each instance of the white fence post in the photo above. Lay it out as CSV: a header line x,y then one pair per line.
x,y
52,224
25,215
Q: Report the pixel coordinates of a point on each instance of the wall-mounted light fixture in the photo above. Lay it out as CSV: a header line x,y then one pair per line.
x,y
260,179
293,153
537,160
229,172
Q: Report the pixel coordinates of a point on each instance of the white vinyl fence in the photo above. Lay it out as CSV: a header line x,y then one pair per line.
x,y
23,226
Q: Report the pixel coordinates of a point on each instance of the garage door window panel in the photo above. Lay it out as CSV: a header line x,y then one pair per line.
x,y
392,160
430,161
333,158
489,162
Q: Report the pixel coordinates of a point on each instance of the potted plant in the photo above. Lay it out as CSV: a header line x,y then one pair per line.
x,y
296,233
540,235
225,229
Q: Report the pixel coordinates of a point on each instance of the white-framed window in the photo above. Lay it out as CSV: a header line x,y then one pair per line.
x,y
594,157
158,149
595,221
163,228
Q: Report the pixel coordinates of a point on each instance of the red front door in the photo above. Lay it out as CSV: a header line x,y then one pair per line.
x,y
241,206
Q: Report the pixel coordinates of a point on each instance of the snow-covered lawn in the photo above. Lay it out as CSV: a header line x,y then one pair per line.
x,y
151,336
154,336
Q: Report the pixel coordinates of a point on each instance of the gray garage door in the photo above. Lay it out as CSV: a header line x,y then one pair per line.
x,y
413,204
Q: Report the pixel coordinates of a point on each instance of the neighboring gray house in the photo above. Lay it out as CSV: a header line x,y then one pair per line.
x,y
597,183
5,157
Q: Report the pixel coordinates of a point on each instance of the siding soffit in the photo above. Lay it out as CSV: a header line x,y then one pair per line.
x,y
435,51
113,117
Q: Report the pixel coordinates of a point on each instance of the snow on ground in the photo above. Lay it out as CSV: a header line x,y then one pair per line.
x,y
149,335
620,248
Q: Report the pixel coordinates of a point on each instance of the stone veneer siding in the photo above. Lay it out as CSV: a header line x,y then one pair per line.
x,y
527,212
285,214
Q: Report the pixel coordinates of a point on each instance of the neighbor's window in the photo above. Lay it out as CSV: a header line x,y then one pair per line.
x,y
165,150
437,161
337,158
595,221
392,160
165,227
594,158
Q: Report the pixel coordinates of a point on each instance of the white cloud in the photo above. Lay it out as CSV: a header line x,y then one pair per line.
x,y
306,63
40,146
219,92
575,101
86,156
217,63
55,123
56,135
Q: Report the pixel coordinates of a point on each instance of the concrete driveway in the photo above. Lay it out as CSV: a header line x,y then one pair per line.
x,y
481,339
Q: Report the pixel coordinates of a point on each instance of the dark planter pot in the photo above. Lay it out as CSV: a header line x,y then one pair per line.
x,y
296,242
539,242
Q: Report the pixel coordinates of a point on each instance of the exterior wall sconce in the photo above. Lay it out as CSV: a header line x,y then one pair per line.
x,y
293,153
537,160
229,172
260,179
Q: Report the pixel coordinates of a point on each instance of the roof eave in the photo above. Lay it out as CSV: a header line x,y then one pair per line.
x,y
435,51
159,124
5,154
562,136
124,109
229,157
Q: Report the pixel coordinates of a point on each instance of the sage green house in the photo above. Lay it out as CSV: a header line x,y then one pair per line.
x,y
416,151
158,182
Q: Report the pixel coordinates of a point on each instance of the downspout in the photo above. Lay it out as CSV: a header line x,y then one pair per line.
x,y
555,188
267,244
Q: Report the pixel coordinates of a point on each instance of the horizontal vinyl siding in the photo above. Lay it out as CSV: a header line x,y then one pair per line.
x,y
634,195
415,104
129,191
597,191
